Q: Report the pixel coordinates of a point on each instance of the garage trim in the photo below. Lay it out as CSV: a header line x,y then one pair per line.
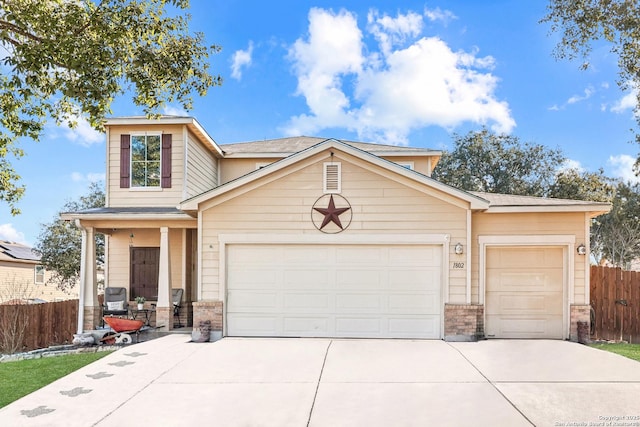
x,y
331,239
566,241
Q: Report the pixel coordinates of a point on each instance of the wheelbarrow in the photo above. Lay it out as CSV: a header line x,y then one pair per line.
x,y
123,329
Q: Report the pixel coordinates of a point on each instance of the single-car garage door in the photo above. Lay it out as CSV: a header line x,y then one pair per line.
x,y
334,290
524,292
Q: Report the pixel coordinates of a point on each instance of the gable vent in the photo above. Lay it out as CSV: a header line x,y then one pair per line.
x,y
332,178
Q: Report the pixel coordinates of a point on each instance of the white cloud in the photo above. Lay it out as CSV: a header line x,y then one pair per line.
x,y
577,98
393,31
622,167
241,59
393,91
170,110
9,233
90,177
572,164
83,133
627,102
438,14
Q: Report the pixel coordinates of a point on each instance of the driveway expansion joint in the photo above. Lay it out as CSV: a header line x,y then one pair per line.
x,y
492,384
315,395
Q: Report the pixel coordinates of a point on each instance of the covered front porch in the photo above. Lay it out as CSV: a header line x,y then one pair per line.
x,y
148,252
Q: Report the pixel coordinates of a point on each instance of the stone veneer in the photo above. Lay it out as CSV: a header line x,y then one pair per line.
x,y
208,310
578,313
463,322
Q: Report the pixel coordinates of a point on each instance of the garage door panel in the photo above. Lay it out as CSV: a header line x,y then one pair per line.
x,y
414,279
305,279
346,303
250,300
254,255
352,255
254,278
255,325
346,291
348,279
301,302
524,292
305,254
299,326
408,327
515,326
414,303
540,279
526,304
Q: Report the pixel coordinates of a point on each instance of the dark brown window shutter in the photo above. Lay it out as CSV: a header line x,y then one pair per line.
x,y
125,160
166,161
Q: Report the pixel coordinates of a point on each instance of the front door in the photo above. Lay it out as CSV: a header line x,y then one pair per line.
x,y
144,273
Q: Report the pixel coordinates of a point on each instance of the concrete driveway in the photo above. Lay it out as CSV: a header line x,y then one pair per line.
x,y
324,382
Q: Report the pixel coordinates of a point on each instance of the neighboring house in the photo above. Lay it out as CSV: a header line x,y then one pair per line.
x,y
313,237
24,279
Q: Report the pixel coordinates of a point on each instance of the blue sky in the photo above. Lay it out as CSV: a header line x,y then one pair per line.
x,y
412,74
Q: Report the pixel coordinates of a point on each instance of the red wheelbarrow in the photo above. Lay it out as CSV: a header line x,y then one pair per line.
x,y
123,328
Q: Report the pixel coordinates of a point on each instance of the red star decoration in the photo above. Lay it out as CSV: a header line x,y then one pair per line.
x,y
331,214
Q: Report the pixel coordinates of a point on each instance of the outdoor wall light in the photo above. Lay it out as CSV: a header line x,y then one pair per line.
x,y
582,250
458,248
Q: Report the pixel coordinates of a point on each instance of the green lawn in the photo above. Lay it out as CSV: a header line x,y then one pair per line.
x,y
17,379
632,351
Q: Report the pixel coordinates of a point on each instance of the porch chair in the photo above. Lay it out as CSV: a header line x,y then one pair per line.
x,y
115,302
176,298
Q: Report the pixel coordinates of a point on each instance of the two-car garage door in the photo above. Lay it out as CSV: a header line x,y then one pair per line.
x,y
389,291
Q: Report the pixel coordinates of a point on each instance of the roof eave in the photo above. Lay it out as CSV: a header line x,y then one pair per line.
x,y
126,216
190,122
593,210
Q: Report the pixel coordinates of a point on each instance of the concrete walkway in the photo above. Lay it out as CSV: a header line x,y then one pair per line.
x,y
322,382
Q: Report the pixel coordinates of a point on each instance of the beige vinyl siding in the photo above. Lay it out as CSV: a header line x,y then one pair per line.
x,y
541,224
420,164
380,205
121,197
231,169
118,266
202,168
17,281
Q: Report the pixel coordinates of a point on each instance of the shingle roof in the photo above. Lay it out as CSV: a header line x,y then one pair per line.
x,y
514,200
11,251
290,145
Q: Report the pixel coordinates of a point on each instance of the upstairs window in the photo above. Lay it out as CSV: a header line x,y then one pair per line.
x,y
145,160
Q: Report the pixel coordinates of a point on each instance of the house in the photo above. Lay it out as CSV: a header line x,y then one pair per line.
x,y
24,280
313,237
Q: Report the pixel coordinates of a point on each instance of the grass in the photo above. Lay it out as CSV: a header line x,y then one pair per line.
x,y
17,379
632,351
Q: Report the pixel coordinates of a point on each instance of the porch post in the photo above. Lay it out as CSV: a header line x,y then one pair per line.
x,y
164,311
88,292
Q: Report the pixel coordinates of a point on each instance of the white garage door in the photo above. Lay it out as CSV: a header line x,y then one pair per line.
x,y
524,297
334,291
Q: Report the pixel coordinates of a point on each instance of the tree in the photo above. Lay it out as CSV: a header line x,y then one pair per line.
x,y
615,236
577,185
483,161
60,242
67,60
616,22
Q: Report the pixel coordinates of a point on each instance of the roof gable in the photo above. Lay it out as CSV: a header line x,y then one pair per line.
x,y
192,204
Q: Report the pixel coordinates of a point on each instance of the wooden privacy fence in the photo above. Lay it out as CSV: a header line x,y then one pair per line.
x,y
615,302
25,327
